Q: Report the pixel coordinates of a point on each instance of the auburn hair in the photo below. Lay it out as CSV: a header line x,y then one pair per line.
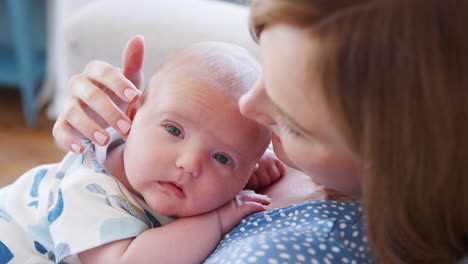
x,y
395,73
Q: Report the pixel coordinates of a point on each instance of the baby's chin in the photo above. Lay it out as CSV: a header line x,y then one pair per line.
x,y
168,211
175,211
161,207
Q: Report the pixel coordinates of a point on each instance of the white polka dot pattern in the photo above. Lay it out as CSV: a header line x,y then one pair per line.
x,y
309,232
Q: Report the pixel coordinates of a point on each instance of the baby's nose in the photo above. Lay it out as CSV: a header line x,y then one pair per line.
x,y
190,163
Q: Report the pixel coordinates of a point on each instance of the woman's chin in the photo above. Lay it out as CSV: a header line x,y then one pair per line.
x,y
279,151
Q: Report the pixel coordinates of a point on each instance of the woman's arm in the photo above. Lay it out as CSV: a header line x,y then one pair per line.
x,y
185,240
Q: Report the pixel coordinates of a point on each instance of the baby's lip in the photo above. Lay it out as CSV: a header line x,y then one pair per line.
x,y
174,188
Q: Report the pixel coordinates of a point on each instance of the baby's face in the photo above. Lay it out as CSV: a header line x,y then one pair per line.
x,y
190,150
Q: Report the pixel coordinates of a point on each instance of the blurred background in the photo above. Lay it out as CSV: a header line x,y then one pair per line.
x,y
25,130
45,42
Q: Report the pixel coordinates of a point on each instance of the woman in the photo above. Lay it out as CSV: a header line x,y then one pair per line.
x,y
368,98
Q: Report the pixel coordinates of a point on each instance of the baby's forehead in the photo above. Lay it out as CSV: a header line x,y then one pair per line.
x,y
225,65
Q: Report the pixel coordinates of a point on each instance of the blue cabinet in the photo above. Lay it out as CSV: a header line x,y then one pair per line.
x,y
22,50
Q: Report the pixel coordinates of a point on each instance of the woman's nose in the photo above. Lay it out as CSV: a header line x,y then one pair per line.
x,y
256,105
190,162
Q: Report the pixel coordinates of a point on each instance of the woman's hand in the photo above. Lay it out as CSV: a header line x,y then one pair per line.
x,y
98,97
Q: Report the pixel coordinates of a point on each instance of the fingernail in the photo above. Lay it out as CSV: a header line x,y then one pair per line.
x,y
130,93
123,125
76,148
99,137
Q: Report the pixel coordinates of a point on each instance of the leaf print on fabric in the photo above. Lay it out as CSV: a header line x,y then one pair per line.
x,y
34,192
51,256
33,204
40,248
132,209
59,175
4,215
153,219
62,251
98,167
40,174
41,229
5,254
57,210
50,201
119,201
96,188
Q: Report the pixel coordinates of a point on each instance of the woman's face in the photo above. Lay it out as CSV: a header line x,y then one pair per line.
x,y
289,99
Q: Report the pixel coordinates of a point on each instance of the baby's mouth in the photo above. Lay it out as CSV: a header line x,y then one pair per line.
x,y
173,188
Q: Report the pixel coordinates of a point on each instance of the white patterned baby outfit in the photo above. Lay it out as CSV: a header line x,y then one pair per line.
x,y
55,211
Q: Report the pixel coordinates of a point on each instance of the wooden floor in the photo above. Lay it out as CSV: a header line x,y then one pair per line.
x,y
22,148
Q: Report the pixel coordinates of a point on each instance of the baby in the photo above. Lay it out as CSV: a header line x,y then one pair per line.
x,y
182,168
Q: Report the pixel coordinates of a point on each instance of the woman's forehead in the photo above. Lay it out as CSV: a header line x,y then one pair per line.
x,y
290,75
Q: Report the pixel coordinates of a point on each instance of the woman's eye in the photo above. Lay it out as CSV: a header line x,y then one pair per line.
x,y
284,124
174,130
292,131
223,159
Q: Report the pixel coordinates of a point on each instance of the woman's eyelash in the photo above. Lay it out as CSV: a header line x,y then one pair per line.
x,y
288,128
292,131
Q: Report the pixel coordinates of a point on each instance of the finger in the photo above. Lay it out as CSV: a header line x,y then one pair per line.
x,y
262,199
263,177
64,138
101,104
273,172
253,182
79,120
281,167
249,208
132,60
251,196
112,78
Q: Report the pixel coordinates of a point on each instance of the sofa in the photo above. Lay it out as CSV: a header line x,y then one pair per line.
x,y
86,30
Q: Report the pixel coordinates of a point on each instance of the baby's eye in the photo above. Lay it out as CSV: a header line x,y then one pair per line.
x,y
221,158
174,130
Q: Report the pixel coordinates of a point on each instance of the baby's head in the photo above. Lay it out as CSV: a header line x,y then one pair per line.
x,y
190,150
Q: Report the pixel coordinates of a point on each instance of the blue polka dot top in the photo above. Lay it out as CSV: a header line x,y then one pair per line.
x,y
308,232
